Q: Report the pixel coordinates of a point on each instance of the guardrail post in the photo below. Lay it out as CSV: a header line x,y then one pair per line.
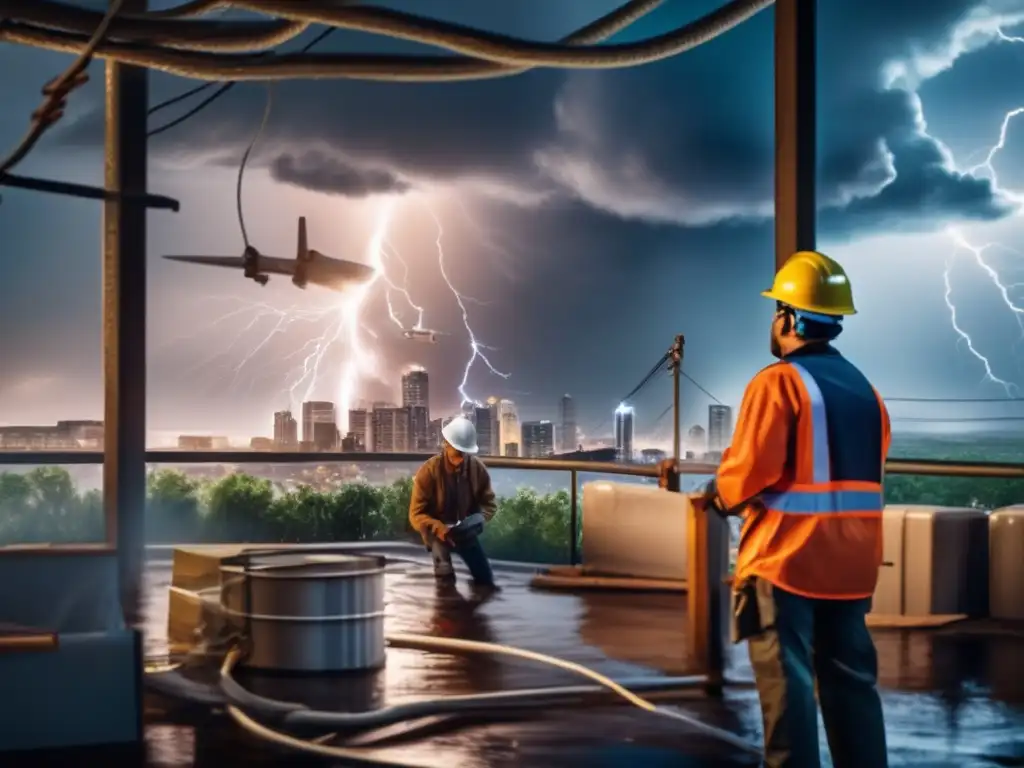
x,y
124,323
574,518
706,594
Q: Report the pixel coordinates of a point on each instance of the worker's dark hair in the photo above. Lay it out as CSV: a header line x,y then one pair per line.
x,y
806,328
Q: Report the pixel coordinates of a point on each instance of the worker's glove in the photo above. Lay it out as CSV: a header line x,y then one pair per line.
x,y
710,500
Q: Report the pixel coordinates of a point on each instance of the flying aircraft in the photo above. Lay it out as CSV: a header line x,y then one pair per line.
x,y
424,335
308,266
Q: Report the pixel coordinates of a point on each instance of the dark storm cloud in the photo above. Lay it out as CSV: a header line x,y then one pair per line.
x,y
687,141
317,171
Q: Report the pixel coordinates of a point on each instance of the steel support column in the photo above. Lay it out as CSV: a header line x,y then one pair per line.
x,y
795,127
124,322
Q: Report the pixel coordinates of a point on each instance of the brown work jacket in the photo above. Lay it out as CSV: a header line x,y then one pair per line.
x,y
428,496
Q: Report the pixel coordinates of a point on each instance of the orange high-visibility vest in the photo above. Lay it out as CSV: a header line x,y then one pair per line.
x,y
807,461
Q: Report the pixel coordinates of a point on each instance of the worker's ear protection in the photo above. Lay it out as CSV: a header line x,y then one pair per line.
x,y
798,327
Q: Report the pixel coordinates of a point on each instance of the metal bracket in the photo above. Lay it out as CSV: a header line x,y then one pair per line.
x,y
86,192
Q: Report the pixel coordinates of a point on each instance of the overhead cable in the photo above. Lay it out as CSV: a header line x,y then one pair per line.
x,y
491,56
170,32
512,51
223,89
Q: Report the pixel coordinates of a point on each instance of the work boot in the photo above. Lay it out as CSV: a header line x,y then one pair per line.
x,y
482,593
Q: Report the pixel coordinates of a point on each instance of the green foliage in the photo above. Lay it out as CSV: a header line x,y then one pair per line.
x,y
42,506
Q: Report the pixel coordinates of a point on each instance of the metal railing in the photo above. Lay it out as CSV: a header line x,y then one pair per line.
x,y
932,467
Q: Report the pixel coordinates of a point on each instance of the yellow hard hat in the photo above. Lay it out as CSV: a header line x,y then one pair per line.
x,y
813,282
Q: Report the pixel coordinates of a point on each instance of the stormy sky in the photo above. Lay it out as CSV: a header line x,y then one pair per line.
x,y
587,218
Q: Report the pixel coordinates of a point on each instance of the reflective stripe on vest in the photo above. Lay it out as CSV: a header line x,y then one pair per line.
x,y
828,500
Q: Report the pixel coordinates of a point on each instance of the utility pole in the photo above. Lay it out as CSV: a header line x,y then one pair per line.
x,y
795,127
675,357
124,322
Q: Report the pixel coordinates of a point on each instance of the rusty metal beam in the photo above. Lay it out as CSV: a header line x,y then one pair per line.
x,y
795,127
124,322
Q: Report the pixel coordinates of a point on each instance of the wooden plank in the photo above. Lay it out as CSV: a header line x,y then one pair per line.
x,y
56,550
582,581
18,639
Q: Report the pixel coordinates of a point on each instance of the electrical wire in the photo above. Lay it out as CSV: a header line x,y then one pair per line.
x,y
601,29
453,645
512,51
58,91
700,386
509,50
223,89
245,161
173,32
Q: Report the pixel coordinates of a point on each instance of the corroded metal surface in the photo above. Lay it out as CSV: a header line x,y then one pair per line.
x,y
951,698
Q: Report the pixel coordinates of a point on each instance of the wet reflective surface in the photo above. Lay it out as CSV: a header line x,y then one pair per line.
x,y
952,698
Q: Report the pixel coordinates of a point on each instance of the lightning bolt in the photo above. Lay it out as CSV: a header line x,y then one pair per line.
x,y
961,245
477,350
336,345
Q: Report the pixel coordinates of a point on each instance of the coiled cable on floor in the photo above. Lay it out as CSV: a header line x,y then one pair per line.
x,y
452,645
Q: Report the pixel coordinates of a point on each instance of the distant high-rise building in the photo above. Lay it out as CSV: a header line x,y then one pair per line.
x,y
567,425
624,419
538,439
434,434
416,389
508,426
202,443
719,428
419,429
696,439
485,432
323,438
512,450
286,430
359,429
390,429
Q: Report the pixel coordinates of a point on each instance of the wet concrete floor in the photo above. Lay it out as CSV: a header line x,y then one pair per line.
x,y
951,697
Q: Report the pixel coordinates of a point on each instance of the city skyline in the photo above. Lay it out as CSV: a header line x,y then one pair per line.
x,y
577,255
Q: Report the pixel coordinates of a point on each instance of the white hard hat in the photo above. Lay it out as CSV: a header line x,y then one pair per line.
x,y
460,434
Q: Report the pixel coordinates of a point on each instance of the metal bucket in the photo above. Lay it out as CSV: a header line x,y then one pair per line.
x,y
308,612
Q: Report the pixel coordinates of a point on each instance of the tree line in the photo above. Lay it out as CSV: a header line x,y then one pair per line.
x,y
43,506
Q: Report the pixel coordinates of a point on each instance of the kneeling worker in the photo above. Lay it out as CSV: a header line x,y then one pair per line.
x,y
451,500
805,471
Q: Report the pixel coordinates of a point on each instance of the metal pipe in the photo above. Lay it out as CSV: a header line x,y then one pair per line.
x,y
86,192
926,467
574,519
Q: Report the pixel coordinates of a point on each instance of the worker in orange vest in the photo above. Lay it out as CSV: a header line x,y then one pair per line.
x,y
805,472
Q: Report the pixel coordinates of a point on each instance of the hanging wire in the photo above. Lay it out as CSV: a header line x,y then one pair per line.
x,y
245,161
223,89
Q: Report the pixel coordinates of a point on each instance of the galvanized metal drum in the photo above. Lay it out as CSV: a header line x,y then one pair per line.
x,y
308,612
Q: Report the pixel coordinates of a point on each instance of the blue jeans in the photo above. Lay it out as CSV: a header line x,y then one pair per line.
x,y
472,554
796,642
